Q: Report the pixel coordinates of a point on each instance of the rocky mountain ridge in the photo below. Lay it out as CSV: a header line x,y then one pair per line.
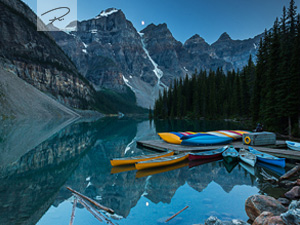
x,y
112,54
34,56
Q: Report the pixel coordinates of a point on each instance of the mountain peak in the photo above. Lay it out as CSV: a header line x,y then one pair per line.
x,y
107,12
160,28
224,37
196,38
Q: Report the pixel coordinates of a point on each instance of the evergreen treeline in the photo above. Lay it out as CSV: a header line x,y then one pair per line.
x,y
268,92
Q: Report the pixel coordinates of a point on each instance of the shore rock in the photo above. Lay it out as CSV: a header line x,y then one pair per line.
x,y
294,193
268,218
212,220
257,204
292,216
284,201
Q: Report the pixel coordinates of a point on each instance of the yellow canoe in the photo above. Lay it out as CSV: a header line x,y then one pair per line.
x,y
162,169
132,160
164,161
124,168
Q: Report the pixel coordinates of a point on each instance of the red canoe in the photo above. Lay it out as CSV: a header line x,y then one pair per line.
x,y
207,154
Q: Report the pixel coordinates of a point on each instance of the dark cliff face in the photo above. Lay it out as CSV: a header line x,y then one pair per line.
x,y
35,57
236,52
109,52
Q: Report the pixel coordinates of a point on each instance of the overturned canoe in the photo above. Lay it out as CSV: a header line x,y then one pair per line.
x,y
293,145
208,154
180,137
174,137
134,159
206,139
163,161
266,158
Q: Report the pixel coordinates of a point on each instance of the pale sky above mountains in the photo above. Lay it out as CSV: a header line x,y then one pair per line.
x,y
241,19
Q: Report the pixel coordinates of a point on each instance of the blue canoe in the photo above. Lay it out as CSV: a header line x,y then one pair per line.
x,y
275,169
266,158
207,140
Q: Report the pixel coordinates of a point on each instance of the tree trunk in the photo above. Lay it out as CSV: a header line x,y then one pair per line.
x,y
298,124
290,127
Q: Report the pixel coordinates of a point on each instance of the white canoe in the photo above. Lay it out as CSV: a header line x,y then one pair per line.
x,y
293,145
247,157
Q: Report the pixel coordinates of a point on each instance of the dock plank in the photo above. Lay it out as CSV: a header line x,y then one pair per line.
x,y
160,145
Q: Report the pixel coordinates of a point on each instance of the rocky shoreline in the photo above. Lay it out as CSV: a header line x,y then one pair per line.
x,y
266,210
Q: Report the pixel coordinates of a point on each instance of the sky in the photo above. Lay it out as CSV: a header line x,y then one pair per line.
x,y
241,19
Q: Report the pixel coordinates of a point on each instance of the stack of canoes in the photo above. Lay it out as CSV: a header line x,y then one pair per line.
x,y
202,138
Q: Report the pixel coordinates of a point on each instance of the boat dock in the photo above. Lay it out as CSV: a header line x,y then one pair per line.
x,y
276,150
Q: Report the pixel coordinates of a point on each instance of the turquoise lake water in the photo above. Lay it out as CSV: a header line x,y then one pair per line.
x,y
38,160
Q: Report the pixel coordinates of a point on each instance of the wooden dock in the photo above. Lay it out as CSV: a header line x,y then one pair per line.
x,y
160,145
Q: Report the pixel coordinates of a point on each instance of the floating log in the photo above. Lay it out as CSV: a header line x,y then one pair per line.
x,y
95,211
92,201
176,214
90,210
73,211
290,173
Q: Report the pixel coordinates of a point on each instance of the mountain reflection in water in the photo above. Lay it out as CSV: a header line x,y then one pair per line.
x,y
51,155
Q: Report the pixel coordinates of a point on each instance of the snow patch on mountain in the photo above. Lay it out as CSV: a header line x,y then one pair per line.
x,y
106,13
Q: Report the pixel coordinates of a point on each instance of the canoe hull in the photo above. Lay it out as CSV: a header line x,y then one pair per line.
x,y
230,159
250,162
247,157
293,145
267,158
206,140
133,160
207,154
164,161
279,162
230,155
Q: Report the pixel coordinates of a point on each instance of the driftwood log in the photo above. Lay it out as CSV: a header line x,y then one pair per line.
x,y
290,173
91,201
176,214
93,212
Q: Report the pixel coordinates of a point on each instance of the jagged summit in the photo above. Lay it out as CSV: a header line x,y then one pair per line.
x,y
224,37
107,12
196,39
156,28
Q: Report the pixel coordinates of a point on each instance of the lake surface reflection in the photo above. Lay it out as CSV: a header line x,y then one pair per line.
x,y
39,159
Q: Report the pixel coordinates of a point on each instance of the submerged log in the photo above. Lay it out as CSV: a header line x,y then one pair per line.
x,y
93,210
176,214
92,201
90,210
290,173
